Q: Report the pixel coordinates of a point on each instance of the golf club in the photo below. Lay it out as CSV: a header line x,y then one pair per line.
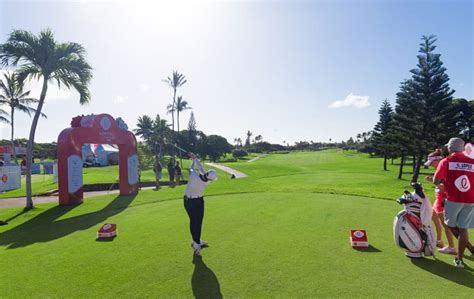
x,y
184,151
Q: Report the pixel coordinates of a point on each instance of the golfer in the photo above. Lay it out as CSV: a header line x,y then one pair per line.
x,y
456,173
438,208
194,200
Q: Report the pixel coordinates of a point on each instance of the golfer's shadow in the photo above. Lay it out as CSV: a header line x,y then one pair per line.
x,y
204,281
45,228
463,277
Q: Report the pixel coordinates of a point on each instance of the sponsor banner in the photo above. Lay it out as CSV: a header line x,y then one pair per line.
x,y
20,151
48,168
55,172
10,178
133,169
35,168
74,169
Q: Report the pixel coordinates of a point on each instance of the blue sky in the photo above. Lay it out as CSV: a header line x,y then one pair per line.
x,y
274,68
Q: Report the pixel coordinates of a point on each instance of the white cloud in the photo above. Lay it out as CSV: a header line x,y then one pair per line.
x,y
120,100
143,87
352,100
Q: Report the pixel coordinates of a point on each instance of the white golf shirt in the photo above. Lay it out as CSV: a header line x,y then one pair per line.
x,y
196,185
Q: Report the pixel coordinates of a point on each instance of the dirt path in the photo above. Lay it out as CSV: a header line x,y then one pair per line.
x,y
256,158
20,201
229,170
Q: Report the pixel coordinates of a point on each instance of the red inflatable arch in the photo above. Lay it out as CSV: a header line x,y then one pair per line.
x,y
103,129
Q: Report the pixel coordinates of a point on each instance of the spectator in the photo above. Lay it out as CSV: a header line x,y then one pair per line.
x,y
171,171
178,173
157,168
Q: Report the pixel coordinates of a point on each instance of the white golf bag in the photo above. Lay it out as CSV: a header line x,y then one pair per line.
x,y
412,229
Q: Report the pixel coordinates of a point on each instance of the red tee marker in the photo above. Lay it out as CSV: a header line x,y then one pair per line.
x,y
108,230
359,238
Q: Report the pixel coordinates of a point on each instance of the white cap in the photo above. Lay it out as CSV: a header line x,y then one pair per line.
x,y
211,175
432,159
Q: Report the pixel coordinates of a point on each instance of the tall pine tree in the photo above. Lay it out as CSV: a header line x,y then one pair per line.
x,y
192,134
403,129
433,96
380,132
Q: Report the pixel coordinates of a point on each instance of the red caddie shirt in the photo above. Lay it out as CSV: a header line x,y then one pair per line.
x,y
457,173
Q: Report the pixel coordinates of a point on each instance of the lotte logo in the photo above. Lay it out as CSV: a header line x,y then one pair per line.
x,y
462,183
4,178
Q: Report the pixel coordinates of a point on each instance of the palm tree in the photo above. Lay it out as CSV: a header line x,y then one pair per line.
x,y
42,57
12,95
175,81
247,141
181,105
154,132
161,133
144,127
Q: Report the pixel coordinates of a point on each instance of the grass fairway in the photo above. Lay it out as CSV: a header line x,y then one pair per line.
x,y
273,234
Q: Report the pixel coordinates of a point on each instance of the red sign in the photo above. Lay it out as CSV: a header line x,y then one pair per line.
x,y
108,230
4,178
359,238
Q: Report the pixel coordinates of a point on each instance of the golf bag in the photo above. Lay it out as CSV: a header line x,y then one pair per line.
x,y
412,229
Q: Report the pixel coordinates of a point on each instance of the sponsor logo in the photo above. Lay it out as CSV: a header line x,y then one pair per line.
x,y
107,137
359,234
105,123
462,183
4,178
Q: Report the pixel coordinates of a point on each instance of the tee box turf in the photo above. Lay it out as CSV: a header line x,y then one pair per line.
x,y
359,239
107,231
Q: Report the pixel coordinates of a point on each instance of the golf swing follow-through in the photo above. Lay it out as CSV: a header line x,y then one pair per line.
x,y
194,200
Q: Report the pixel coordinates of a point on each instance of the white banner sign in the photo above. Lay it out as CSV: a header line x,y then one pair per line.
x,y
133,169
74,173
10,178
55,172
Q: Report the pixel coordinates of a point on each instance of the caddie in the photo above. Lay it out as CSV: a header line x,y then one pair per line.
x,y
456,173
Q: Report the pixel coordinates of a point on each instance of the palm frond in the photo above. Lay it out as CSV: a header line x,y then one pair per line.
x,y
2,118
28,71
19,46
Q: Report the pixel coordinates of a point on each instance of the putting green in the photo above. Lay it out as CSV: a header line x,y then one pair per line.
x,y
263,243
